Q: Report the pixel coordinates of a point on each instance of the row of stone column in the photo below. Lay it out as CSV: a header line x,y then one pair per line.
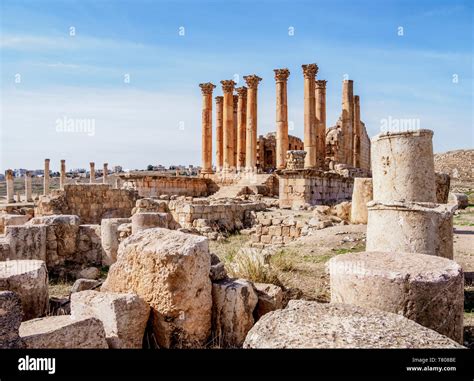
x,y
236,119
46,180
236,126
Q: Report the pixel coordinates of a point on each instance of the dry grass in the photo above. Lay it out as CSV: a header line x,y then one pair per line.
x,y
59,288
256,265
251,264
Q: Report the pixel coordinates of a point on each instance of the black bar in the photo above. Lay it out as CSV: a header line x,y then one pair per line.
x,y
219,364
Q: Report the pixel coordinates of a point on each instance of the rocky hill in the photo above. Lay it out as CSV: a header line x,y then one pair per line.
x,y
459,165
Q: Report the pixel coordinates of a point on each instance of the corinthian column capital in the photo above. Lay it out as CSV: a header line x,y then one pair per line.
x,y
252,80
228,86
242,91
206,88
310,70
321,83
281,75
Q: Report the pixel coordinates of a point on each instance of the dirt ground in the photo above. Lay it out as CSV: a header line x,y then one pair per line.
x,y
305,260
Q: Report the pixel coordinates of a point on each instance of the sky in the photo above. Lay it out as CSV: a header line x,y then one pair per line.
x,y
118,81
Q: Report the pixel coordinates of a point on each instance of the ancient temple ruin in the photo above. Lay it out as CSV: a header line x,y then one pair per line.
x,y
238,150
138,244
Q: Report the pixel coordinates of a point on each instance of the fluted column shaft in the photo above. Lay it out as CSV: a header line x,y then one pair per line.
x,y
241,126
320,98
62,174
310,137
251,135
28,187
347,119
206,90
105,173
219,134
235,131
92,172
228,124
281,78
10,186
357,133
46,177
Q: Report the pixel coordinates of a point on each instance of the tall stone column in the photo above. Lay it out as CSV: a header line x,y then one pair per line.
x,y
105,173
46,177
357,133
236,130
10,186
310,138
228,125
347,119
92,172
28,187
251,135
62,174
219,133
281,78
241,126
320,97
206,90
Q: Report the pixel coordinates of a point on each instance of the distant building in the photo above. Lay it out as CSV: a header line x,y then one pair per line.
x,y
19,172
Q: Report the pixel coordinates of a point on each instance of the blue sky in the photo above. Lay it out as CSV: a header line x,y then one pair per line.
x,y
47,74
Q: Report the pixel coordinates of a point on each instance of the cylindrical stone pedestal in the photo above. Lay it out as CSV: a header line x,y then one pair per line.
x,y
423,288
147,220
29,280
110,238
423,228
403,166
361,195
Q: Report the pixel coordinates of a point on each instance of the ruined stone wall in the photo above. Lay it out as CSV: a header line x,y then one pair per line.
x,y
364,148
313,187
59,240
225,215
334,148
266,150
91,202
153,186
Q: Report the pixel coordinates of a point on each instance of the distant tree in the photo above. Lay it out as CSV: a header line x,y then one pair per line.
x,y
149,168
